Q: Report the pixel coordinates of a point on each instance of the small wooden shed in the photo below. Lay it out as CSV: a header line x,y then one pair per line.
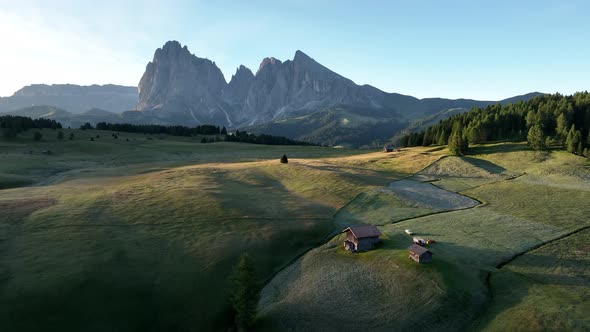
x,y
361,238
420,254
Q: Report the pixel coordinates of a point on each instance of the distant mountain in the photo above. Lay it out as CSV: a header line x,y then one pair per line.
x,y
297,98
73,98
68,119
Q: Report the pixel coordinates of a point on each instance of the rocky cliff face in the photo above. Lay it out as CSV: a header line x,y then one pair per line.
x,y
179,84
73,98
321,105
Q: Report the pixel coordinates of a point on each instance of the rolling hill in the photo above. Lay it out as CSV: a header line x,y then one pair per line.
x,y
141,232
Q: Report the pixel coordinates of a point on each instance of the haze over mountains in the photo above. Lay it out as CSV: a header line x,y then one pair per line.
x,y
73,98
296,98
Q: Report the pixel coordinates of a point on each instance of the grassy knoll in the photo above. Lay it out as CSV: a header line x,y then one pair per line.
x,y
333,290
142,234
402,199
462,173
545,289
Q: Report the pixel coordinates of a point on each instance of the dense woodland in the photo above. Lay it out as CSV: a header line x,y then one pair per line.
x,y
12,125
544,121
159,129
244,137
238,136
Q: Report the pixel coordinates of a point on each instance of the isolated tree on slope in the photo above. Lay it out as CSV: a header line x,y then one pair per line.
x,y
284,159
245,292
37,136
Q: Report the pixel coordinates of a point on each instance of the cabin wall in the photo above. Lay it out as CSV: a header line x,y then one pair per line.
x,y
367,243
350,237
426,258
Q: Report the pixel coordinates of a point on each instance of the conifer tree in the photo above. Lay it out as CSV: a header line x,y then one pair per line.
x,y
536,137
245,292
457,143
572,140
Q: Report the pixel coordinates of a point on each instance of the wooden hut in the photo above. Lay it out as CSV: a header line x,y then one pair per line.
x,y
420,254
361,238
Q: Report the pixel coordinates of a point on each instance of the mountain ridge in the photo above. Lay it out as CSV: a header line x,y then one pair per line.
x,y
73,98
178,87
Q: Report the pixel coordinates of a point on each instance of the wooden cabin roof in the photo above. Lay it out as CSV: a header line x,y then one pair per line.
x,y
363,231
418,249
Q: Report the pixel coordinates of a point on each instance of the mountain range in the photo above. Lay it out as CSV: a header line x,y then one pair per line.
x,y
297,98
73,98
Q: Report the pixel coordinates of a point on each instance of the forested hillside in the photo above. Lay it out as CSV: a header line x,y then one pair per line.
x,y
544,121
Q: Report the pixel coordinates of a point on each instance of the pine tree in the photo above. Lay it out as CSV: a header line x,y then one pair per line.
x,y
37,136
60,135
71,136
457,144
536,137
562,127
573,138
284,159
223,131
580,150
245,292
442,138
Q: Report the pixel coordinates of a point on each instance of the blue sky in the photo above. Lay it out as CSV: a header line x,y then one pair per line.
x,y
454,49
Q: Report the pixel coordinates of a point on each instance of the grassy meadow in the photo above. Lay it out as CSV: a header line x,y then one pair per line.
x,y
473,282
141,232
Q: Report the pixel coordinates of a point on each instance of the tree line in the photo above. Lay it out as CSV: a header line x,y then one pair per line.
x,y
221,133
11,125
159,129
245,137
544,121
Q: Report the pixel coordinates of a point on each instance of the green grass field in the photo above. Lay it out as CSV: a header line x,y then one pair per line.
x,y
142,234
548,288
518,214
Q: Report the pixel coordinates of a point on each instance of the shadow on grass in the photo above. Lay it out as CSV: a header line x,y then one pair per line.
x,y
498,148
484,164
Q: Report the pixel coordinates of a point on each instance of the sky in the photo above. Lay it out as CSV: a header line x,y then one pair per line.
x,y
476,49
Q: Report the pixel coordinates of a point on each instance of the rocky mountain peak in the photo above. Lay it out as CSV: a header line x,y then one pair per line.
x,y
268,63
242,72
178,81
301,57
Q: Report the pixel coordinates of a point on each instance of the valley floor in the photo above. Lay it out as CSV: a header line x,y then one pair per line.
x,y
141,233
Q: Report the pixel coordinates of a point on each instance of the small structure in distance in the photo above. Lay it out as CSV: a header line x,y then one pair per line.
x,y
388,148
420,254
361,238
